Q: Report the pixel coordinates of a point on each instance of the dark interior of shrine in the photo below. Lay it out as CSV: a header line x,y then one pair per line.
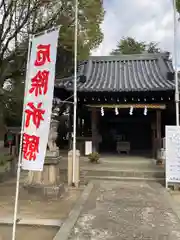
x,y
135,129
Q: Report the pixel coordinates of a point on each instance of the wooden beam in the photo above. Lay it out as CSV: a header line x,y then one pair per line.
x,y
140,106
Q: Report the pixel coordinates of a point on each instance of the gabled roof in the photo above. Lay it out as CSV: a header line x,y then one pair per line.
x,y
123,73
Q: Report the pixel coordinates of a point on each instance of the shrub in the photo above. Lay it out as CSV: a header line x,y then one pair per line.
x,y
94,157
4,158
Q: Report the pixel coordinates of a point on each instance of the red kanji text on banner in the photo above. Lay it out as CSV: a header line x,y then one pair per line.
x,y
38,100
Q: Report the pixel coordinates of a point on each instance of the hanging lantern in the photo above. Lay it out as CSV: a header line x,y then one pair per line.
x,y
116,111
102,111
131,110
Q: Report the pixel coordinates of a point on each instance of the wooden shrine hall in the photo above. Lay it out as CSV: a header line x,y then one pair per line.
x,y
124,102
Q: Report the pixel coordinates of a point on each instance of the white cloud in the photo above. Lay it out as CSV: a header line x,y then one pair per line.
x,y
145,20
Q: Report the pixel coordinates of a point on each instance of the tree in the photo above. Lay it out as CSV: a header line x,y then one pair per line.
x,y
178,5
20,18
152,48
131,46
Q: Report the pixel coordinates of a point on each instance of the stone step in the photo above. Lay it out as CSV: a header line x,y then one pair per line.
x,y
153,174
125,174
118,167
116,163
160,180
126,162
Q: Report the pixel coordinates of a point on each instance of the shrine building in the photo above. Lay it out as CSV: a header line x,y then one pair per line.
x,y
124,102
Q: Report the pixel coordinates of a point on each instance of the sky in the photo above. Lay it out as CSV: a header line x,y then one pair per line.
x,y
144,20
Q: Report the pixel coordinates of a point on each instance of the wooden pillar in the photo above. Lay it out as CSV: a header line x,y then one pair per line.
x,y
70,128
158,128
81,126
78,126
153,130
17,144
94,129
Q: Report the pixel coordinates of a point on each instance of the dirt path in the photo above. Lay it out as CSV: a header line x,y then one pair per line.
x,y
33,206
28,233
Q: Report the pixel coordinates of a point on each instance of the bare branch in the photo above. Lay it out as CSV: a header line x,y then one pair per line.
x,y
2,4
5,16
4,35
20,25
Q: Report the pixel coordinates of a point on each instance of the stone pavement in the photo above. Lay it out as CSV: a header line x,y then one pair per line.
x,y
33,206
127,211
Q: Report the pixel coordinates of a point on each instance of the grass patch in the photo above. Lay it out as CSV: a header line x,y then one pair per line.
x,y
5,160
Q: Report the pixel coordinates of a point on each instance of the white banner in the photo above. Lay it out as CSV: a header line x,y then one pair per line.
x,y
172,154
38,100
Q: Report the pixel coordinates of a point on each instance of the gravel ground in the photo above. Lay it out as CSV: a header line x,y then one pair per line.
x,y
28,233
32,206
127,211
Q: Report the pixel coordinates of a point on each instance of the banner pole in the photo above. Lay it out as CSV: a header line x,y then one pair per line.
x,y
75,90
166,181
176,63
20,147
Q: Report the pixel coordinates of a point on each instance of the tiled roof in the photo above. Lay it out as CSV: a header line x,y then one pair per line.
x,y
141,72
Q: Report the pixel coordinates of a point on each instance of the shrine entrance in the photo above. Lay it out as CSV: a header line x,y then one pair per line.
x,y
132,130
124,103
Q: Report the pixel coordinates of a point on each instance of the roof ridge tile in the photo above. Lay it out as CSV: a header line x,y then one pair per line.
x,y
125,73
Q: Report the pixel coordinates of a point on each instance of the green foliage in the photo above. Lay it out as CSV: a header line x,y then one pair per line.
x,y
131,46
11,104
23,17
178,5
4,159
152,48
94,157
90,17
